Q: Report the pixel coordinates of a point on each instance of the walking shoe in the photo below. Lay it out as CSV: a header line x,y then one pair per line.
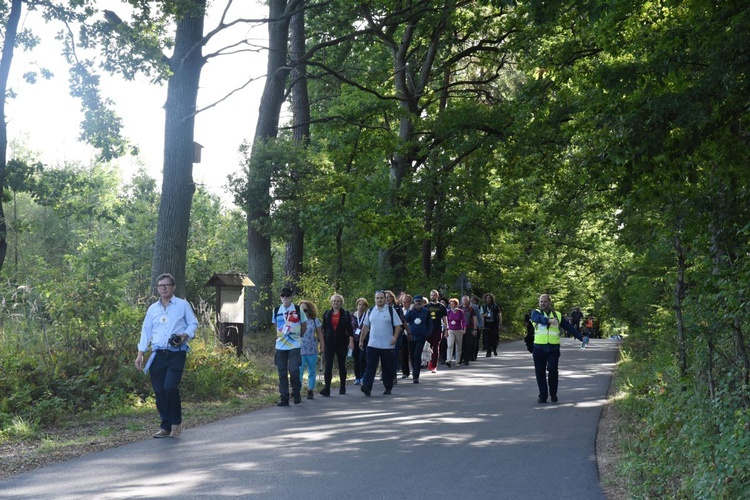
x,y
448,364
387,391
541,400
434,370
342,390
488,354
395,381
416,381
283,402
554,400
365,390
357,381
310,394
176,430
161,433
495,353
297,398
325,391
405,375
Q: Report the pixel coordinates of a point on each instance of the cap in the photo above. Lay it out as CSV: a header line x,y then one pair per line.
x,y
418,298
287,291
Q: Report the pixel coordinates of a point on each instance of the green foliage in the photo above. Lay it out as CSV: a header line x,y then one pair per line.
x,y
70,316
678,441
216,373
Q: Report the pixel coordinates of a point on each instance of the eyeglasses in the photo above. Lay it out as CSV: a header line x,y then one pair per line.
x,y
285,295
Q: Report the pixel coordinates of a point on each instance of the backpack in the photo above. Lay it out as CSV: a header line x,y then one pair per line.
x,y
296,308
390,309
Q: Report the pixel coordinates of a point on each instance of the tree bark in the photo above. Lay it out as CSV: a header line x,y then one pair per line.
x,y
301,135
170,248
259,301
11,30
411,78
679,295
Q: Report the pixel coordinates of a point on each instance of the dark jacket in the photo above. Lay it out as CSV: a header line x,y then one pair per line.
x,y
421,330
344,330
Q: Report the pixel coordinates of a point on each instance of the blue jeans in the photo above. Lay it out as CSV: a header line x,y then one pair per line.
x,y
288,363
546,358
311,364
386,360
166,373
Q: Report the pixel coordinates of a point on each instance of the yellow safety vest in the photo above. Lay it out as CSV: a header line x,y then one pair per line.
x,y
547,334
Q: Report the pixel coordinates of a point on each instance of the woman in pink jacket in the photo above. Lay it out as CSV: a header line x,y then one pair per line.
x,y
456,329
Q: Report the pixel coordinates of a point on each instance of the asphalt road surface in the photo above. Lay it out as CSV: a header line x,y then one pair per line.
x,y
472,432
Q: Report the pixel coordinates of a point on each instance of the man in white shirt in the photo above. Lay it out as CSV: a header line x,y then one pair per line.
x,y
380,332
168,326
290,322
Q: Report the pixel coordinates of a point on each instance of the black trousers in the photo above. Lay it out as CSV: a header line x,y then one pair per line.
x,y
415,353
406,357
338,351
491,337
467,346
358,355
385,356
546,360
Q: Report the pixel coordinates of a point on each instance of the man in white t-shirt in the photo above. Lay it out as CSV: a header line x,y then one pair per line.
x,y
380,332
290,322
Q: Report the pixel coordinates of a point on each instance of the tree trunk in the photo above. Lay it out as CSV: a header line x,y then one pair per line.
x,y
411,78
724,202
170,247
679,295
301,135
429,217
11,29
259,301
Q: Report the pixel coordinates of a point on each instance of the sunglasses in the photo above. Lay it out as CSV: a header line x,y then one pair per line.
x,y
285,295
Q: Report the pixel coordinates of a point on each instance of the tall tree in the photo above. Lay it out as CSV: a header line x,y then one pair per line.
x,y
9,43
257,201
186,63
418,59
140,46
301,135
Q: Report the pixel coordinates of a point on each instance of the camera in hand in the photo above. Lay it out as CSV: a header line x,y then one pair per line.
x,y
175,340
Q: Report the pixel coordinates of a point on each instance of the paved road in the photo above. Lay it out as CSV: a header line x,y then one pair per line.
x,y
462,433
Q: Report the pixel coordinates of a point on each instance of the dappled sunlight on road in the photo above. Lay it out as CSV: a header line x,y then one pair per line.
x,y
466,421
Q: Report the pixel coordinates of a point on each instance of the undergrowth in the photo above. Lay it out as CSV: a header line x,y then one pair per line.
x,y
679,442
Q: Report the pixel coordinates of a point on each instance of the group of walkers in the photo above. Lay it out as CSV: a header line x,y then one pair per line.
x,y
394,333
